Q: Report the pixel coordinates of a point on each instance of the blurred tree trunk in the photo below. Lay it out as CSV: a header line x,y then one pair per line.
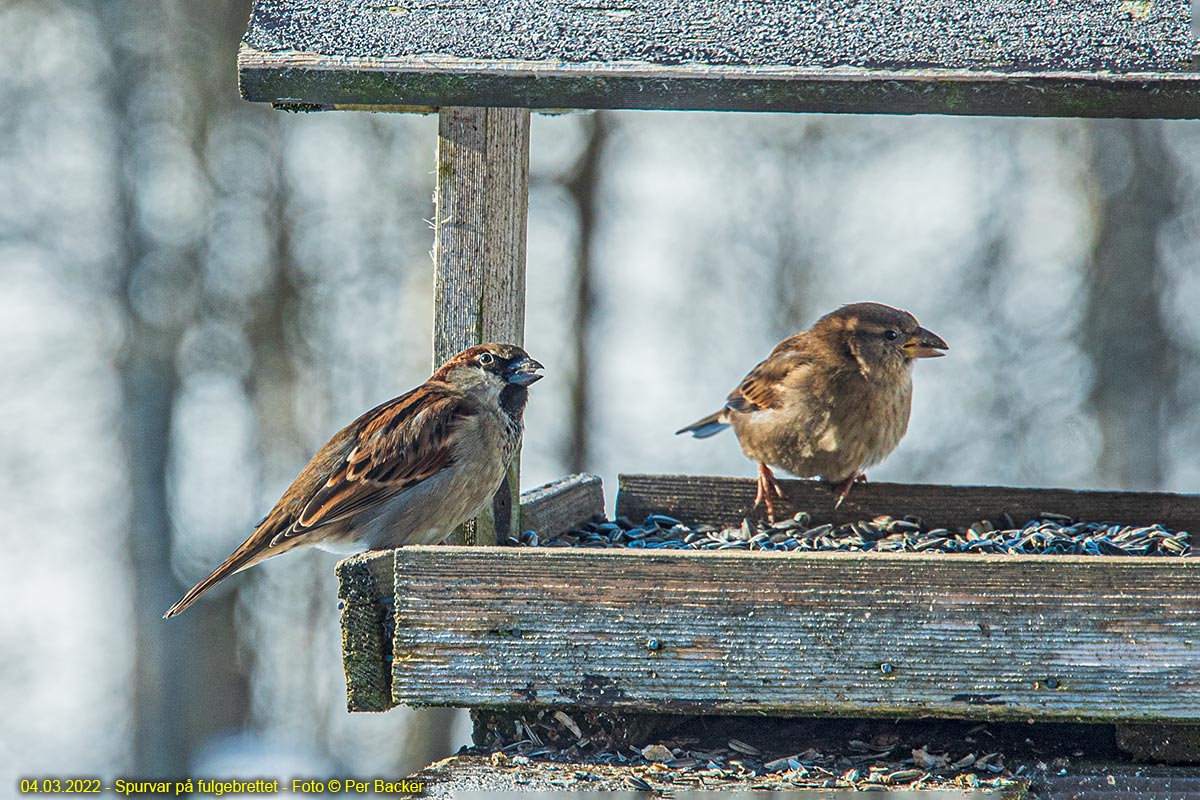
x,y
273,375
788,250
187,686
583,184
789,274
1124,330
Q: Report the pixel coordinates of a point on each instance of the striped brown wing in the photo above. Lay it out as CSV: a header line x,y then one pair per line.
x,y
400,444
762,388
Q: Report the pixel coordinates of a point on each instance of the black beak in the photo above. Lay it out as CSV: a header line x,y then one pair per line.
x,y
523,372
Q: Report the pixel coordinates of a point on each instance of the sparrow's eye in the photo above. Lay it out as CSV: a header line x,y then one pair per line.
x,y
485,359
891,335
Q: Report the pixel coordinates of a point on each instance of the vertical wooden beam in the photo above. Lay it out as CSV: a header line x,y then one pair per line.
x,y
363,582
482,205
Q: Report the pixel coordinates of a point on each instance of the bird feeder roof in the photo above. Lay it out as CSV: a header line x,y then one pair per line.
x,y
1135,58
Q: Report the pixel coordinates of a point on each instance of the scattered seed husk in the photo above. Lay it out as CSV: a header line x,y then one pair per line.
x,y
568,723
746,749
926,760
904,775
963,762
657,752
638,783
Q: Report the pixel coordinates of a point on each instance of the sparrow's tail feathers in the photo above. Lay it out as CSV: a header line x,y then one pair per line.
x,y
249,554
709,426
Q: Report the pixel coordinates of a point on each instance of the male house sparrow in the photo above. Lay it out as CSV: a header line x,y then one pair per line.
x,y
829,401
406,472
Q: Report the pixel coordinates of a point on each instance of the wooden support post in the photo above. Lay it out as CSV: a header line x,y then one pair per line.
x,y
482,205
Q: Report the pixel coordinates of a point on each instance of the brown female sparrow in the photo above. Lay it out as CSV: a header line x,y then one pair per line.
x,y
829,401
407,472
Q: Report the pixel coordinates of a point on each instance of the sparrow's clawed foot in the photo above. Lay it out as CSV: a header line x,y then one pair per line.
x,y
843,487
768,488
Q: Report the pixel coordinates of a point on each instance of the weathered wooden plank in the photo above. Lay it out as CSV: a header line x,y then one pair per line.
x,y
895,34
420,82
364,581
989,637
563,504
699,499
1122,782
479,254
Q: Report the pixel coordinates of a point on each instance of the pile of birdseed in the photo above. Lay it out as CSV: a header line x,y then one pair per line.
x,y
740,765
710,753
1045,534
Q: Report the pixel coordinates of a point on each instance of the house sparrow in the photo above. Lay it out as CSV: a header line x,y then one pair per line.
x,y
829,401
406,472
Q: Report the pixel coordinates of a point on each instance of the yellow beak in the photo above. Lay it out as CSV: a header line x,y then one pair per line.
x,y
924,344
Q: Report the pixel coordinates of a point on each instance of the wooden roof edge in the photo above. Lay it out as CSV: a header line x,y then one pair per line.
x,y
312,81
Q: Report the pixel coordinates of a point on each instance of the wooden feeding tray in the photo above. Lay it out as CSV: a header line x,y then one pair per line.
x,y
1111,639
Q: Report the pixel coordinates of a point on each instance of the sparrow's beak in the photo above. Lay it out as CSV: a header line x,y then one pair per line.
x,y
924,344
523,372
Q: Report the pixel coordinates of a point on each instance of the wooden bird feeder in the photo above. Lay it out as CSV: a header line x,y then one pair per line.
x,y
1092,638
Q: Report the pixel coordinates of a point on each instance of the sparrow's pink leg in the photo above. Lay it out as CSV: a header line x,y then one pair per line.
x,y
844,487
766,488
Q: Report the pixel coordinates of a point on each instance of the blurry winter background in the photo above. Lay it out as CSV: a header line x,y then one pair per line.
x,y
197,291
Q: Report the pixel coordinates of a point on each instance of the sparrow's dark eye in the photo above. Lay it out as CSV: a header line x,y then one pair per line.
x,y
485,359
891,335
